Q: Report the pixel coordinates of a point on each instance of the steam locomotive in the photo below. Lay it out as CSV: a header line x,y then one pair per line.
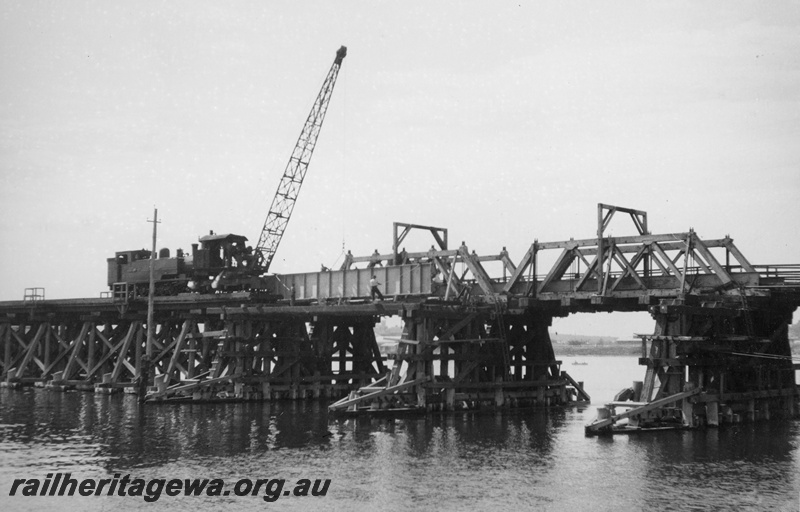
x,y
219,263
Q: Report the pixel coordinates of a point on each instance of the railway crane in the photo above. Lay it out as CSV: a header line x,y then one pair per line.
x,y
223,262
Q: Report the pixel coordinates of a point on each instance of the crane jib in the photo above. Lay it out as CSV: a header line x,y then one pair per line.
x,y
289,187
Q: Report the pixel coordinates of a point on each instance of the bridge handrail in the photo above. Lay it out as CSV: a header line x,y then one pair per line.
x,y
790,273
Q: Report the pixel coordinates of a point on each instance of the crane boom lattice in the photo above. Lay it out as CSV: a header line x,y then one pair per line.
x,y
289,187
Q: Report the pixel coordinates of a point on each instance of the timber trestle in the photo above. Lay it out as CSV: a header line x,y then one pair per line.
x,y
211,348
204,348
709,364
481,357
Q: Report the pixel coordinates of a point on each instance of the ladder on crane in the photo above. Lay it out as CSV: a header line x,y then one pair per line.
x,y
289,187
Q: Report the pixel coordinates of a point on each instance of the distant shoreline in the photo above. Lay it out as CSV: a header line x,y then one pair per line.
x,y
621,349
567,345
607,350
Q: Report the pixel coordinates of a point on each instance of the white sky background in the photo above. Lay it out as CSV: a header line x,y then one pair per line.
x,y
503,122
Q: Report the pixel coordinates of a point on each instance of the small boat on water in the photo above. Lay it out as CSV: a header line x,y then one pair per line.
x,y
579,363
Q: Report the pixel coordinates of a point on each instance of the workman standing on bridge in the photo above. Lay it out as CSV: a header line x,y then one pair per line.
x,y
373,284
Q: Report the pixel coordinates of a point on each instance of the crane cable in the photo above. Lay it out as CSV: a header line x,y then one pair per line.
x,y
342,193
344,156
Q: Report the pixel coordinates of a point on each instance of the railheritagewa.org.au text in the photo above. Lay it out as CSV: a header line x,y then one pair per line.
x,y
153,489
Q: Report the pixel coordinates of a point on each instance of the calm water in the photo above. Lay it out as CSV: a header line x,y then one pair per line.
x,y
525,460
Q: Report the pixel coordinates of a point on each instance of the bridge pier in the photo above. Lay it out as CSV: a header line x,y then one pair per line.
x,y
259,357
481,358
732,361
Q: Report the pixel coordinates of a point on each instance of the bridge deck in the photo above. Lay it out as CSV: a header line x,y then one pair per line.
x,y
475,328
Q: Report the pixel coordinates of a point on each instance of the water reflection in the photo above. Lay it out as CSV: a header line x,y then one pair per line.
x,y
756,464
119,429
452,435
476,460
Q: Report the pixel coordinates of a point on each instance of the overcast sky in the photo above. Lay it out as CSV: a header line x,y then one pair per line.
x,y
504,122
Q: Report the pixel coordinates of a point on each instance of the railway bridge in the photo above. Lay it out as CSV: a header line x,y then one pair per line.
x,y
475,331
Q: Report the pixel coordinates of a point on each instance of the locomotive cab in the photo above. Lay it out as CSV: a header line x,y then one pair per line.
x,y
219,252
224,263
